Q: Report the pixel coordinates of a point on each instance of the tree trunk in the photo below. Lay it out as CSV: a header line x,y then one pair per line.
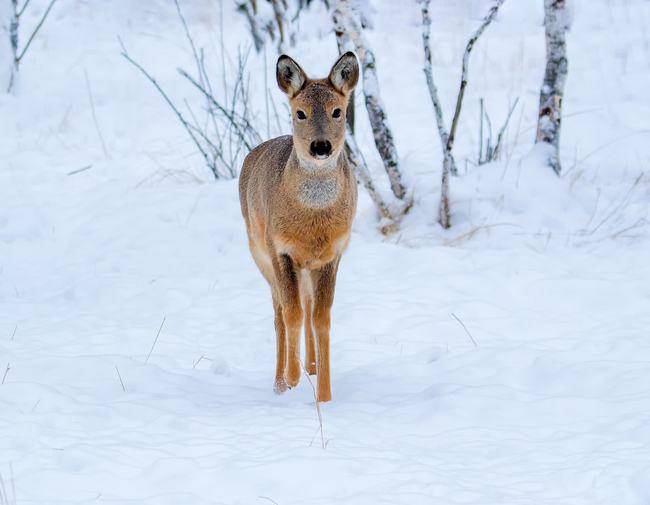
x,y
363,175
552,92
346,21
344,45
444,217
433,90
13,40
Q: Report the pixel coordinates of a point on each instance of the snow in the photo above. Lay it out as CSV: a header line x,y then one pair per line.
x,y
505,360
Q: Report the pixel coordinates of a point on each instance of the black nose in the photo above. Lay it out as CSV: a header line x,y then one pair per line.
x,y
320,148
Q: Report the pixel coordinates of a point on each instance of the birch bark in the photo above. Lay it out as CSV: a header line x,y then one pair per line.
x,y
552,91
348,23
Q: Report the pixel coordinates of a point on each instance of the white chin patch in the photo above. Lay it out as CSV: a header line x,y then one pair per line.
x,y
321,156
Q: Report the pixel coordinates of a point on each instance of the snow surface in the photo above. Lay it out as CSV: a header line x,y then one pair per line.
x,y
504,361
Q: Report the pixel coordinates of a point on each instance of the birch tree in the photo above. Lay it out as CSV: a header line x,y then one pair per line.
x,y
556,23
447,137
348,27
272,19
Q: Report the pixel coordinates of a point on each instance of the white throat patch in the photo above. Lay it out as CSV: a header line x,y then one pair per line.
x,y
319,192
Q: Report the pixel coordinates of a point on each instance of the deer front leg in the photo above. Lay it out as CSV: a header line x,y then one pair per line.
x,y
289,295
324,281
280,384
310,349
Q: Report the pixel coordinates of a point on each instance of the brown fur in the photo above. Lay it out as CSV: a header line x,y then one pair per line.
x,y
298,209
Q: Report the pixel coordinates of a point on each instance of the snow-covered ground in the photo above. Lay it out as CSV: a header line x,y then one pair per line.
x,y
504,361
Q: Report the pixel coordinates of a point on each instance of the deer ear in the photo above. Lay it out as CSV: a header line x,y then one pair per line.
x,y
291,78
345,73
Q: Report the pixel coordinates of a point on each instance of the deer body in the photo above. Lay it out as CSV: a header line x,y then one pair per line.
x,y
298,197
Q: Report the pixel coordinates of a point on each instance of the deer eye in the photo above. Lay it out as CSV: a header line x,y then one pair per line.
x,y
336,113
301,115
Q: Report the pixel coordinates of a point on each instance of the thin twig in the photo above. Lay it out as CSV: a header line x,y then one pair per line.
x,y
156,339
201,358
230,115
92,108
171,105
120,377
82,169
463,82
320,417
6,372
38,27
604,146
14,333
465,328
620,205
497,147
20,12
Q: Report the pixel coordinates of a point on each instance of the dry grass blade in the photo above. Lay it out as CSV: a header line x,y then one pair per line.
x,y
156,339
4,377
318,412
120,377
464,328
268,499
94,113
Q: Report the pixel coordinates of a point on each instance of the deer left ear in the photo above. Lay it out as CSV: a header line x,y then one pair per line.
x,y
291,78
345,73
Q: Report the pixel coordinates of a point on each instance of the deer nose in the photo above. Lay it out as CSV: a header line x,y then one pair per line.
x,y
320,148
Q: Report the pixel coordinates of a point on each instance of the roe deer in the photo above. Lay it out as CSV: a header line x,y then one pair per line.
x,y
298,197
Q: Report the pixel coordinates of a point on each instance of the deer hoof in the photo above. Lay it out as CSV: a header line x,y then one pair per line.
x,y
280,386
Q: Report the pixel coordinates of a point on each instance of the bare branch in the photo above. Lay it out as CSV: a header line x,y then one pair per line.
x,y
38,27
242,129
463,77
178,114
363,175
22,9
447,138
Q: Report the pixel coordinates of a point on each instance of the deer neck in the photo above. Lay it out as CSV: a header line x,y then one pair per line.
x,y
316,186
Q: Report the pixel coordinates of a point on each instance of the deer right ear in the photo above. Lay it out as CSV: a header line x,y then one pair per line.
x,y
345,73
291,78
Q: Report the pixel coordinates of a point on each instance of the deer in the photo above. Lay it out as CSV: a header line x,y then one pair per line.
x,y
298,197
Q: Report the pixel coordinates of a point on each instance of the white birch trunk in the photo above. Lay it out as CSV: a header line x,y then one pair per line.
x,y
344,45
13,36
552,91
444,214
13,41
363,175
348,22
282,22
433,90
390,214
271,18
255,27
